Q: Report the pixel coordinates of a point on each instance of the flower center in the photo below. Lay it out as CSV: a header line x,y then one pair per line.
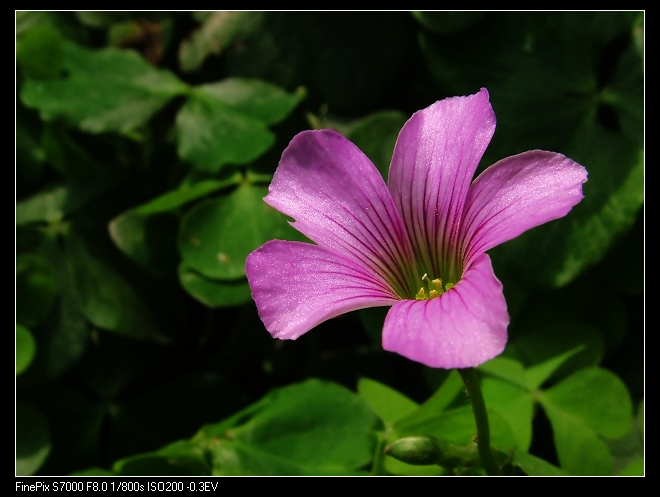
x,y
433,288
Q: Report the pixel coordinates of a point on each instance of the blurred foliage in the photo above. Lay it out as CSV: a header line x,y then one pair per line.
x,y
145,143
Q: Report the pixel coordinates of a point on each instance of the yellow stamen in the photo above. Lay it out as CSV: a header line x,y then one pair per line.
x,y
433,286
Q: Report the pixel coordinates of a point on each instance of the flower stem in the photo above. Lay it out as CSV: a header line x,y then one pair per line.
x,y
471,381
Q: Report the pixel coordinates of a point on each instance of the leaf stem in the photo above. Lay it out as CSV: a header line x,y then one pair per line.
x,y
471,381
378,467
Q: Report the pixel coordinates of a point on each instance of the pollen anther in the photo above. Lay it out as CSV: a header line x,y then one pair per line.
x,y
434,287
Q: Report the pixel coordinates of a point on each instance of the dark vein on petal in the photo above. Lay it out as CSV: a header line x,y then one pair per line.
x,y
355,250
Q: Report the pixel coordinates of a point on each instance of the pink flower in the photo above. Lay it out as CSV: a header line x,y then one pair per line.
x,y
418,244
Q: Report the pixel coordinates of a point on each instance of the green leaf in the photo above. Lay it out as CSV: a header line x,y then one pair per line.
x,y
211,434
25,348
514,404
213,292
226,122
62,337
146,233
63,340
376,136
396,467
506,368
540,372
558,349
30,19
55,203
313,423
36,289
535,466
580,450
32,439
103,90
514,397
635,468
550,70
46,206
529,379
211,134
235,459
185,194
30,157
150,241
313,427
625,94
85,182
212,37
597,398
39,52
217,235
429,416
100,20
388,404
254,98
627,449
589,402
436,404
457,426
105,297
177,459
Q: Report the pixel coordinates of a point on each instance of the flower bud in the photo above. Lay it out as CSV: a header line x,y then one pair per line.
x,y
415,450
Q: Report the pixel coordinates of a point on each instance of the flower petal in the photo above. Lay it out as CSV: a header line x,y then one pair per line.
x,y
340,201
434,160
298,285
462,328
517,194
